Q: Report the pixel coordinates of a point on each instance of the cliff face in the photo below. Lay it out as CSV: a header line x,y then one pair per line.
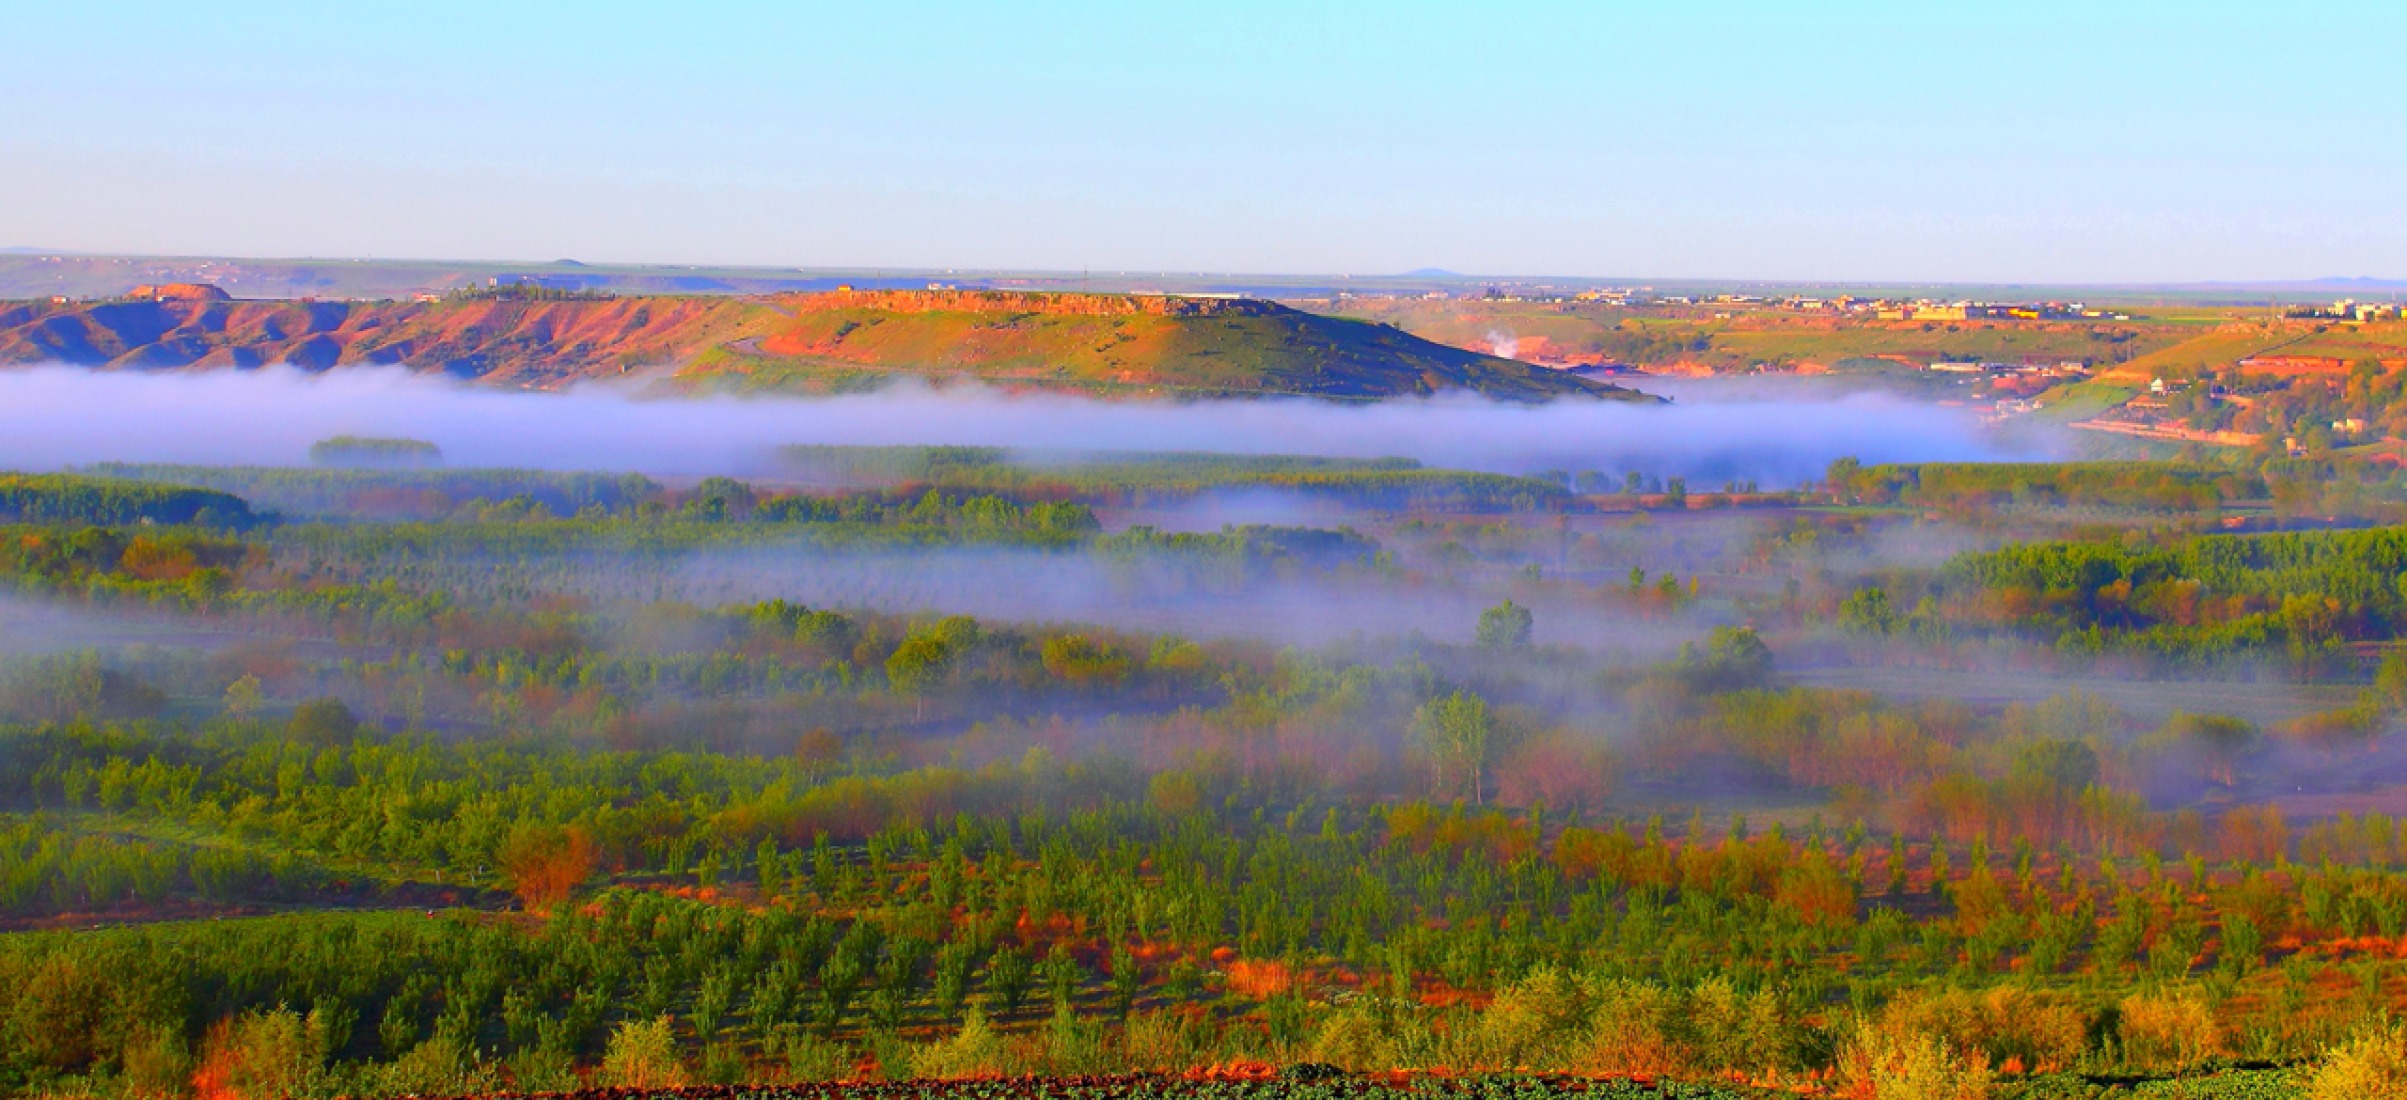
x,y
1104,342
501,340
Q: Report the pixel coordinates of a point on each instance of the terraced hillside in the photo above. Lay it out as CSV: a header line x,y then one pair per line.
x,y
1097,342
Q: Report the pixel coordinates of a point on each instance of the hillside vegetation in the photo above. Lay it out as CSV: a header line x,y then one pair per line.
x,y
794,342
1717,338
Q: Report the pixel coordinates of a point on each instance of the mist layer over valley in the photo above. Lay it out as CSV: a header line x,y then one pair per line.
x,y
1713,435
53,417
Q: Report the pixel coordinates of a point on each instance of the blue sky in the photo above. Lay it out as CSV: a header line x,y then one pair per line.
x,y
1874,141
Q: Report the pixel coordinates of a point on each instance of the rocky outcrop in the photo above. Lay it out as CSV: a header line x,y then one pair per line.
x,y
183,292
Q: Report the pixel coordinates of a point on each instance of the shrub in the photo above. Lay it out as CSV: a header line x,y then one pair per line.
x,y
544,864
2041,1031
2173,1030
643,1055
1885,1065
157,1066
1747,1032
978,1050
1521,1024
1352,1040
1158,1042
436,1067
541,1070
1627,1032
2372,1064
1071,1046
723,1063
812,1058
258,1056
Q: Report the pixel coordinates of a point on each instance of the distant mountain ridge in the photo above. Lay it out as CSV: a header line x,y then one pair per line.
x,y
792,342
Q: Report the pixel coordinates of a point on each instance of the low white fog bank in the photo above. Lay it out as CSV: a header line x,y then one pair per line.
x,y
59,416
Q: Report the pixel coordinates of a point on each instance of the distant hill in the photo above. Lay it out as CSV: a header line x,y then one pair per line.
x,y
1093,342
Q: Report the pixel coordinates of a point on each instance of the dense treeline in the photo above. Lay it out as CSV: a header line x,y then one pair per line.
x,y
486,497
188,564
116,501
2200,597
374,451
1150,478
49,866
391,493
857,464
1986,486
2319,486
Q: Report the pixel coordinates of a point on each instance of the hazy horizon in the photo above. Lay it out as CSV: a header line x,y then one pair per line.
x,y
1422,274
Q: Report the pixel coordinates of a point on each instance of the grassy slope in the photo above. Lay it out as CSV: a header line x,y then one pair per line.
x,y
2220,346
1282,351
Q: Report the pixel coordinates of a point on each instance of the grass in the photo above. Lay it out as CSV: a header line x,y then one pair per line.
x,y
2082,400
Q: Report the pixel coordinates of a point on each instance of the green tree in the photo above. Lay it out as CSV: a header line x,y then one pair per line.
x,y
323,722
1454,731
953,966
1126,979
918,664
1062,976
643,1055
1867,611
244,699
2221,741
1735,658
1505,626
1007,976
2069,766
2390,680
1840,478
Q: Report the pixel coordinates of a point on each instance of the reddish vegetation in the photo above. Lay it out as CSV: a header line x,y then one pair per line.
x,y
1260,980
543,865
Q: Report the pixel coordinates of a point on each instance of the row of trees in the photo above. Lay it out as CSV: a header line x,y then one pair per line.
x,y
1965,488
115,501
1394,937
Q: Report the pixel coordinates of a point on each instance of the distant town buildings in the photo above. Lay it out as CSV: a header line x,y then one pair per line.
x,y
1980,311
2350,309
2065,368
